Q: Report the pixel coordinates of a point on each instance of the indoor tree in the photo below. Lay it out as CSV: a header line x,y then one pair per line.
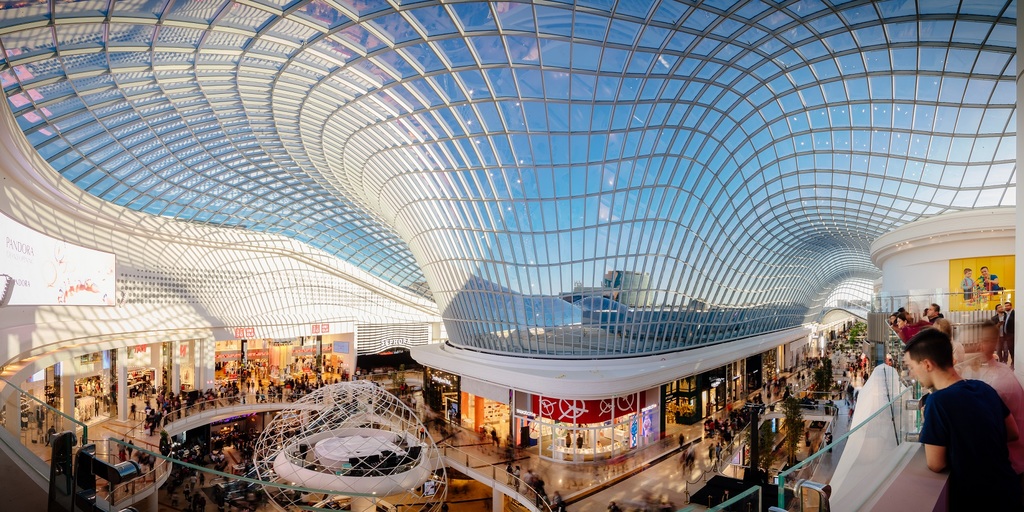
x,y
794,428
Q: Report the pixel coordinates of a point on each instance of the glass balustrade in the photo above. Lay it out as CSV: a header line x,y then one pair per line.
x,y
32,421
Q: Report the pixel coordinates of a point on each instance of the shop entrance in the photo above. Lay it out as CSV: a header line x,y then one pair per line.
x,y
450,402
92,402
488,418
385,362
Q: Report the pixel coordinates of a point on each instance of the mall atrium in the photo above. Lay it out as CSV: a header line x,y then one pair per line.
x,y
613,214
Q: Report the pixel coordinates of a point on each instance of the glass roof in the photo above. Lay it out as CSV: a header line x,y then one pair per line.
x,y
741,154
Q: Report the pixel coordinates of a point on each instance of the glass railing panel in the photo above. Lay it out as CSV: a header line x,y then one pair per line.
x,y
963,313
183,480
206,406
749,499
33,421
488,469
892,421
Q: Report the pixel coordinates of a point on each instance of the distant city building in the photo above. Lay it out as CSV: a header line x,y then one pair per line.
x,y
630,288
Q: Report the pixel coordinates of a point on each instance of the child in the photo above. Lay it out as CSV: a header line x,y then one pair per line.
x,y
967,285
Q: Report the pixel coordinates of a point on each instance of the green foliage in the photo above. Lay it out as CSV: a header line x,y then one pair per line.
x,y
857,331
823,378
766,446
794,427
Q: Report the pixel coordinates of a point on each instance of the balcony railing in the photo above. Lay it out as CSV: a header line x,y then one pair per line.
x,y
889,425
30,418
965,315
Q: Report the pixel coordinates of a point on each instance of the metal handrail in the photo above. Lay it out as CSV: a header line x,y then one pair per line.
x,y
161,467
783,474
83,438
230,476
216,403
510,479
738,498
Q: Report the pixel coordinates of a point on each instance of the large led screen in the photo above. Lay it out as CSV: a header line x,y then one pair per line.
x,y
47,271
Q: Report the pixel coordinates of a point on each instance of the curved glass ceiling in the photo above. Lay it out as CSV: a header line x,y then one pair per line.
x,y
708,167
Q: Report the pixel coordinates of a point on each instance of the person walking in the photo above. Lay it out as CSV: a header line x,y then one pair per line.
x,y
538,488
557,503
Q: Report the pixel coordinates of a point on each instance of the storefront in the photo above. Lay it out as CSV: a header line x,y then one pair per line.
x,y
713,386
485,408
305,358
441,393
140,382
150,362
186,365
736,381
229,431
754,373
342,360
92,387
691,399
257,361
242,360
165,366
586,430
681,398
770,364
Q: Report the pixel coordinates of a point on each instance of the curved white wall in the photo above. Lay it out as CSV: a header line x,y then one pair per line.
x,y
915,257
177,280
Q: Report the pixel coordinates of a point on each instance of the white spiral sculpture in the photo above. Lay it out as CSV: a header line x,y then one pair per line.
x,y
356,446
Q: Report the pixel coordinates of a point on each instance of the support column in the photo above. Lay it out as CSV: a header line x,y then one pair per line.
x,y
12,402
198,368
150,503
478,412
122,384
176,367
157,365
497,498
67,388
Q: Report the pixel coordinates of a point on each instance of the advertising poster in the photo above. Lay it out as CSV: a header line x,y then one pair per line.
x,y
48,271
979,283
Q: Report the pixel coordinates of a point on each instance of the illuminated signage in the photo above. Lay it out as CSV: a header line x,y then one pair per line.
x,y
649,408
391,342
244,332
47,271
228,356
441,380
320,328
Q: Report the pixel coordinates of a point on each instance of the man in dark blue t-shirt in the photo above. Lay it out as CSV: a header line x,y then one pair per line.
x,y
966,428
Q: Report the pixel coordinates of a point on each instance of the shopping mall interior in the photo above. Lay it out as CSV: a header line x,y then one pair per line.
x,y
422,255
